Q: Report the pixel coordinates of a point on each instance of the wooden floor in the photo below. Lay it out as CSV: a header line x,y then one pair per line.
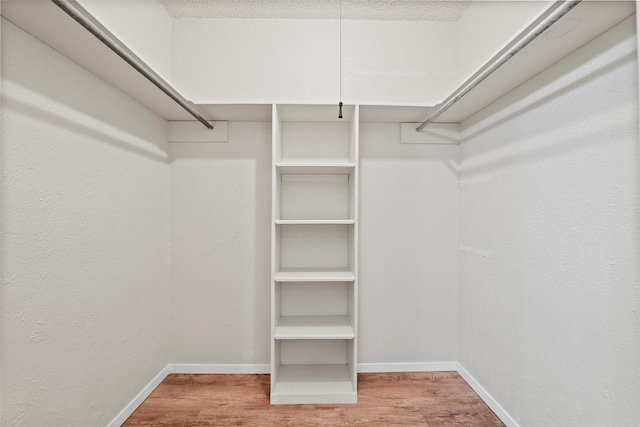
x,y
389,399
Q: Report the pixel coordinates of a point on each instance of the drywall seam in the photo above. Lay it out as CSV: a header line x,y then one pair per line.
x,y
486,397
137,401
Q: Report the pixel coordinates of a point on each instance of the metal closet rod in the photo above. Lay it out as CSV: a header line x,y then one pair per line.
x,y
106,37
524,39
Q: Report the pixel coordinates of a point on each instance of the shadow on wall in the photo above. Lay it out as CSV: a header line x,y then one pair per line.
x,y
107,135
605,56
220,244
408,253
381,142
29,64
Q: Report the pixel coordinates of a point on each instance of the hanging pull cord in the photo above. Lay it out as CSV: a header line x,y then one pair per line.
x,y
340,61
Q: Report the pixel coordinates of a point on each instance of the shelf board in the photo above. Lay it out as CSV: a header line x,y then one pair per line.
x,y
316,168
315,275
314,328
48,23
317,384
582,24
315,221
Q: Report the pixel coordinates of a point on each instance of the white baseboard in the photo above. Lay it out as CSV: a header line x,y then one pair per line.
x,y
184,368
195,368
488,399
137,401
407,367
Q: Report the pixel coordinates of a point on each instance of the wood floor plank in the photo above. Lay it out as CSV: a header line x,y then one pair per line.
x,y
384,399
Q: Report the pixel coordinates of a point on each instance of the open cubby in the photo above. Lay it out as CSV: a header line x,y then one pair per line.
x,y
314,196
314,310
314,298
314,371
314,246
315,141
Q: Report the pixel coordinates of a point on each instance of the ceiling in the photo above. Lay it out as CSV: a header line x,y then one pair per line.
x,y
383,10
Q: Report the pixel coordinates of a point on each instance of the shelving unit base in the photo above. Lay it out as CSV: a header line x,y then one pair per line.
x,y
314,384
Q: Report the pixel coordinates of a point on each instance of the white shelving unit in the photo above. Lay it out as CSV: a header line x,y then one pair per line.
x,y
314,286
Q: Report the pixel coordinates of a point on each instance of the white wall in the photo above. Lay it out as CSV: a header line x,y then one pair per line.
x,y
408,246
143,25
298,61
486,27
220,248
84,250
549,295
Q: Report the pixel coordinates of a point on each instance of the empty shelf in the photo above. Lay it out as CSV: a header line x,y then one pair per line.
x,y
304,275
315,221
314,327
316,168
314,384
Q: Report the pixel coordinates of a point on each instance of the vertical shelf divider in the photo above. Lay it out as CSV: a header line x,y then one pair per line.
x,y
276,155
314,254
354,202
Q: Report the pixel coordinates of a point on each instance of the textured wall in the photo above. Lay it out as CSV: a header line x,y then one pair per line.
x,y
549,242
408,245
144,25
84,250
479,38
220,248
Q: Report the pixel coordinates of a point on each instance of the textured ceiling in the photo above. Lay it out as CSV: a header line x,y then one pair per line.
x,y
386,10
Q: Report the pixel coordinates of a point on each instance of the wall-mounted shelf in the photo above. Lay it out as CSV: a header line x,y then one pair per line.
x,y
582,24
48,23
